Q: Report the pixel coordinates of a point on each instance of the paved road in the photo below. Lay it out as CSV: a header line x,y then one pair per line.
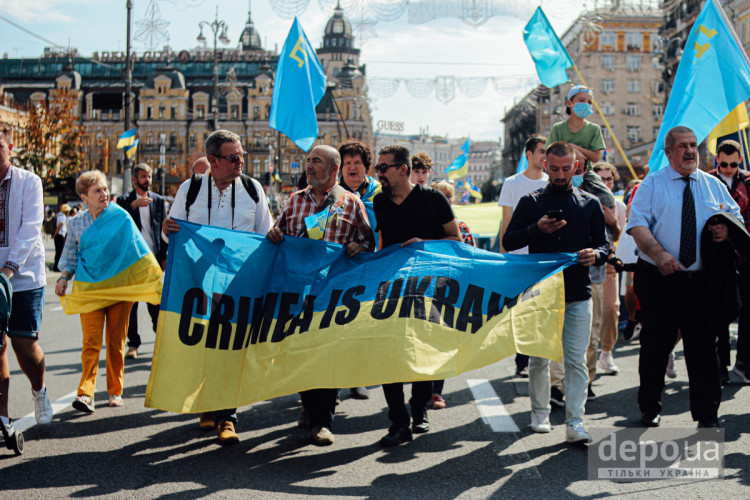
x,y
479,447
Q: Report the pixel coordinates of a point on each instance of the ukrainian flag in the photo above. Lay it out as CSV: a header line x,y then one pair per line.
x,y
126,139
276,176
114,264
473,190
130,150
460,165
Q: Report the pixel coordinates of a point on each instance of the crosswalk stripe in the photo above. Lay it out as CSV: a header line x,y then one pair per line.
x,y
29,420
491,407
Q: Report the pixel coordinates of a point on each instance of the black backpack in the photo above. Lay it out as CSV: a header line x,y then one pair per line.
x,y
195,185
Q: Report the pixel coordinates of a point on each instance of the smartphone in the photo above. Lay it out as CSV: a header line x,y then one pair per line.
x,y
555,214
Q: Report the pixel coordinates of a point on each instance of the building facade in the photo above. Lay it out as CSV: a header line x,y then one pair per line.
x,y
171,96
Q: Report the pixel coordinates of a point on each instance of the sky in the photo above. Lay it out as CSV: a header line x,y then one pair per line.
x,y
399,50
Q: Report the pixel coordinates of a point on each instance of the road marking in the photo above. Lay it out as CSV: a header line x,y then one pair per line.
x,y
56,308
491,407
29,420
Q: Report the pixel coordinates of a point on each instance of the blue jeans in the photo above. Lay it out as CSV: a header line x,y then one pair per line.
x,y
575,340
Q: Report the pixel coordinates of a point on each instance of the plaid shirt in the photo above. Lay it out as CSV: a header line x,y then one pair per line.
x,y
350,225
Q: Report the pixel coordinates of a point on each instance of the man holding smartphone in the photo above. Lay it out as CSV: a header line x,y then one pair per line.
x,y
562,218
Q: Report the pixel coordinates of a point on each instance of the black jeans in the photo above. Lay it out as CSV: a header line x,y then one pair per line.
x,y
670,304
134,340
421,393
743,329
59,245
320,405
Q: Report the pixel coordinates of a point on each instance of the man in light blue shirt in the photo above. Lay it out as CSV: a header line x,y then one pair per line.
x,y
667,216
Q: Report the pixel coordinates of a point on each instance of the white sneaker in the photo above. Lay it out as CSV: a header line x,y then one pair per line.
x,y
671,370
576,433
540,421
607,363
42,407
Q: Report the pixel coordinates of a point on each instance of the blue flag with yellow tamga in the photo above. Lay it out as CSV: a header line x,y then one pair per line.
x,y
243,319
550,57
460,166
299,86
114,264
713,78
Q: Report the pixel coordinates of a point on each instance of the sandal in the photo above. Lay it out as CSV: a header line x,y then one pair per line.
x,y
115,401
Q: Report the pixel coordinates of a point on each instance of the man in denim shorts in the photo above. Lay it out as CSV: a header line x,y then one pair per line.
x,y
22,261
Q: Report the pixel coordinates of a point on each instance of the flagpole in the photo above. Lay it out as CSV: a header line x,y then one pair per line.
x,y
336,105
743,137
606,124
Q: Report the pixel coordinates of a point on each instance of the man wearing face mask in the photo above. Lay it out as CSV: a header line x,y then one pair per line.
x,y
562,218
586,139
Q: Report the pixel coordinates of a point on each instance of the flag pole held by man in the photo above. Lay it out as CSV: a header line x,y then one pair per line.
x,y
713,78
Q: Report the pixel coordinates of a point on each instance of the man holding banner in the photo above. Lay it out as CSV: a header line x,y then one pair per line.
x,y
408,213
562,218
222,199
325,211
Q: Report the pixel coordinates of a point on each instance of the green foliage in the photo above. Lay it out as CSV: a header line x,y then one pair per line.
x,y
53,139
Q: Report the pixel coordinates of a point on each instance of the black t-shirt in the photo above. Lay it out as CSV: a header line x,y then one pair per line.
x,y
421,215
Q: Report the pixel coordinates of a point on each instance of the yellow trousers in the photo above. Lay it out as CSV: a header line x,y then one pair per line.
x,y
116,318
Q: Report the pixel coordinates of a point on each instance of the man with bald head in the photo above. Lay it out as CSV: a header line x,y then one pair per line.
x,y
201,165
345,221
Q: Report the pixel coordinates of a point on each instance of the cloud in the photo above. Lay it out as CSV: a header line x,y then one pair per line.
x,y
38,10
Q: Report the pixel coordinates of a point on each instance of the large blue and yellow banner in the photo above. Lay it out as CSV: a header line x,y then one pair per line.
x,y
244,320
114,264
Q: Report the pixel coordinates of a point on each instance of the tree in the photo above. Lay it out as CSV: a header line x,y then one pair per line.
x,y
53,139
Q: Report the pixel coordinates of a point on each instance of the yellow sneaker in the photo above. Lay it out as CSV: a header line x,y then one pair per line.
x,y
225,429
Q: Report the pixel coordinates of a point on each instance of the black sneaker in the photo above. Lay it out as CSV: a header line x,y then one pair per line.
x,y
627,333
522,372
420,424
590,396
396,436
556,397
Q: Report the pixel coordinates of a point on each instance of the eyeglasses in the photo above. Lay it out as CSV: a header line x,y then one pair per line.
x,y
232,158
607,179
385,166
724,164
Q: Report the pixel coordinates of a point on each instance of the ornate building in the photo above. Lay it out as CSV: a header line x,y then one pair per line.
x,y
170,100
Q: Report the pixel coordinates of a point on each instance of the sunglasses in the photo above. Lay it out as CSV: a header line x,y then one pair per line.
x,y
385,166
724,164
232,158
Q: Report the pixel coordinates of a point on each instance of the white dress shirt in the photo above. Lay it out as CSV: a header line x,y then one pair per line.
x,y
245,216
145,213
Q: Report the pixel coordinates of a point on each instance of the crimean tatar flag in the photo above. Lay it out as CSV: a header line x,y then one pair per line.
x,y
126,139
460,165
550,57
114,264
713,78
300,85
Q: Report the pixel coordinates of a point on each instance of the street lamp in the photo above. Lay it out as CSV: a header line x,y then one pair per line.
x,y
219,29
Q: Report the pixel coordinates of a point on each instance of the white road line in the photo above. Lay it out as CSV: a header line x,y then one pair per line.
x,y
491,407
29,420
56,308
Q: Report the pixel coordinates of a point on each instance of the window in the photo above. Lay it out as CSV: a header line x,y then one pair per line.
x,y
609,39
658,110
608,109
200,111
234,111
193,141
173,140
634,133
150,139
162,111
256,112
657,87
608,62
633,41
741,32
634,63
634,85
608,86
174,113
655,131
605,132
633,109
148,112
